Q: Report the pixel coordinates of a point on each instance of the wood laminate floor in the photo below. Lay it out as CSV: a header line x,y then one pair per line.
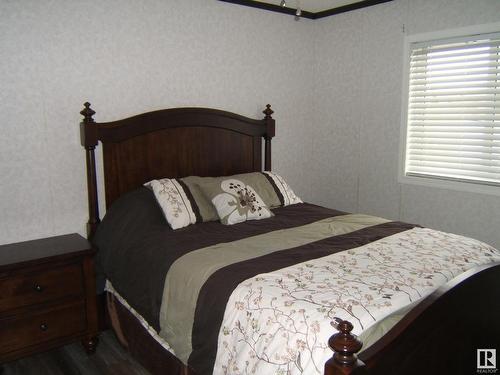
x,y
110,359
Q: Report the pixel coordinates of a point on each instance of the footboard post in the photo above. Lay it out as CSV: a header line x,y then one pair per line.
x,y
345,346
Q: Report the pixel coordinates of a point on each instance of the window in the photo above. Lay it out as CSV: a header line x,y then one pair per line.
x,y
453,110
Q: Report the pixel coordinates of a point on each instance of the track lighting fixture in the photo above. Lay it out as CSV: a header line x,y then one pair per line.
x,y
298,12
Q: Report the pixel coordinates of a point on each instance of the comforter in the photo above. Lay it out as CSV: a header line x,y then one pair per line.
x,y
258,297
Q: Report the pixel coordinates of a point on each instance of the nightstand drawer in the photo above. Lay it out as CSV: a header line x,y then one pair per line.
x,y
42,286
32,329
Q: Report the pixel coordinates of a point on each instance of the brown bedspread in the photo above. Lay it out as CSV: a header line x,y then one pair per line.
x,y
137,248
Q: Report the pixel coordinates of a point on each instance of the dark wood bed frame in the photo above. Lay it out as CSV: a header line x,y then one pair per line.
x,y
440,335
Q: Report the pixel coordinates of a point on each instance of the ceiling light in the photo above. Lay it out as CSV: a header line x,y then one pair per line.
x,y
283,3
298,13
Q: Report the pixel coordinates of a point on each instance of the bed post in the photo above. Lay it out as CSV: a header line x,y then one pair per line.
x,y
270,124
88,137
345,346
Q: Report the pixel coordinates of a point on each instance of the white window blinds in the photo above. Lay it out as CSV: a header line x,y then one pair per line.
x,y
453,129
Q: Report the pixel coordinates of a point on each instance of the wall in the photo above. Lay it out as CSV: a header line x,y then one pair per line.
x,y
338,147
358,87
129,57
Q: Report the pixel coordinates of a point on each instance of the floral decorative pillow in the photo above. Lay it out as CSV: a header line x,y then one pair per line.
x,y
175,201
261,182
236,201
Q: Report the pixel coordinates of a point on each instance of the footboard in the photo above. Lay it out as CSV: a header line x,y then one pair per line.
x,y
441,335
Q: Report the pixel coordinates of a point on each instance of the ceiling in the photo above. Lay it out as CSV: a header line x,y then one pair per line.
x,y
312,5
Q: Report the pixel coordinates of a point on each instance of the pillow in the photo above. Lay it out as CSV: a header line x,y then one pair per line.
x,y
263,184
283,190
236,201
205,207
175,200
184,201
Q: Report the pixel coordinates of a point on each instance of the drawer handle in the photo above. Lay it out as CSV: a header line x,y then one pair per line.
x,y
38,288
44,327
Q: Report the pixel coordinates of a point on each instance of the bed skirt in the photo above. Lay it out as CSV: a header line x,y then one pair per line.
x,y
133,336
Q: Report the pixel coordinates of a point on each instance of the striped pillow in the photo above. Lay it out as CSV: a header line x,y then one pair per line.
x,y
283,190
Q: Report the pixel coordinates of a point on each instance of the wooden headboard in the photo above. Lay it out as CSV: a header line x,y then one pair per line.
x,y
171,143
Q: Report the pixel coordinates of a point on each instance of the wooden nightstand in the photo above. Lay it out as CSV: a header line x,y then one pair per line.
x,y
47,295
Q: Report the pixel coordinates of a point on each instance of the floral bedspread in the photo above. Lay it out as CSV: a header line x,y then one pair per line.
x,y
279,322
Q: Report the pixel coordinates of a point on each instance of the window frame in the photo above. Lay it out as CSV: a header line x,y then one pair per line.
x,y
436,182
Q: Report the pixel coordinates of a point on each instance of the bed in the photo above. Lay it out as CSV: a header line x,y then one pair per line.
x,y
258,291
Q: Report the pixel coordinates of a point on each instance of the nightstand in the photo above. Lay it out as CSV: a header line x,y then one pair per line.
x,y
47,295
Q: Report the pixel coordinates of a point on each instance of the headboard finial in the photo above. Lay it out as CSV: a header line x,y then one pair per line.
x,y
87,113
268,111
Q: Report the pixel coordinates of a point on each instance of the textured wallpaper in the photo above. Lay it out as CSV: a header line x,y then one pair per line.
x,y
334,83
129,57
358,90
